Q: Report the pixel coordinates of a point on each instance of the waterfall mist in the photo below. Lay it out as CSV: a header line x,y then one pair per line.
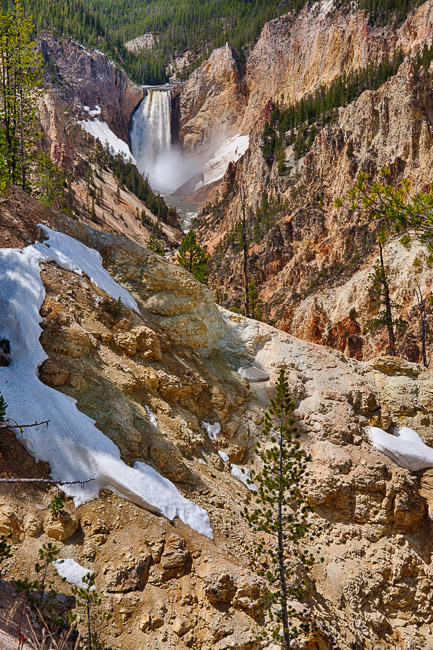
x,y
164,165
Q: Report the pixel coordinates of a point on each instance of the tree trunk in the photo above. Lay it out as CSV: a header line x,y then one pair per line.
x,y
388,309
245,248
281,563
89,628
423,323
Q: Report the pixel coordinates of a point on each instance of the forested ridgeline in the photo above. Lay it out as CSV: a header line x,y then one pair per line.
x,y
299,124
198,26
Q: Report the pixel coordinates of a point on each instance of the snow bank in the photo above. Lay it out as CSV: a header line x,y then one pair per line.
x,y
243,474
75,449
230,151
212,430
405,448
102,132
74,256
223,456
73,573
253,374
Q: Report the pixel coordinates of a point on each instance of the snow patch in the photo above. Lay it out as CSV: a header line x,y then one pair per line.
x,y
74,256
102,132
96,111
253,374
230,151
212,430
243,474
151,416
75,449
223,456
162,491
405,448
73,573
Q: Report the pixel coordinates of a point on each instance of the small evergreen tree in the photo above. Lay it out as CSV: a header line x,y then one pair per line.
x,y
282,511
380,300
154,245
3,407
255,302
194,257
87,598
47,554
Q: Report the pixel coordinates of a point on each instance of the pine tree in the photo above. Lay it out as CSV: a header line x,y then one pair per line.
x,y
20,83
193,257
255,302
282,511
3,407
87,598
380,299
154,245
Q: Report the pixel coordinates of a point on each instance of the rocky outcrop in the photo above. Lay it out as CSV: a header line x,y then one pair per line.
x,y
212,102
165,585
89,79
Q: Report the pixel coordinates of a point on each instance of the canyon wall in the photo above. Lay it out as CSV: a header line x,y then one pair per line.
x,y
313,263
294,55
88,78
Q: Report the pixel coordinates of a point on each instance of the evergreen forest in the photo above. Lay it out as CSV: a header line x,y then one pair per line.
x,y
197,26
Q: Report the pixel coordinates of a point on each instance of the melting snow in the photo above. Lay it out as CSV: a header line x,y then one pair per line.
x,y
75,449
253,374
224,456
405,448
73,573
96,111
102,132
212,430
151,416
230,151
74,256
243,475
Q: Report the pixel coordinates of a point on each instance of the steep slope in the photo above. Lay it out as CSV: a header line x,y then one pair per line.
x,y
87,105
310,262
166,585
294,56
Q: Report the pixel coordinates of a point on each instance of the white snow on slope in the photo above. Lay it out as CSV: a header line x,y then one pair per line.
x,y
73,573
102,132
223,456
243,474
74,256
405,448
151,416
212,430
230,151
75,449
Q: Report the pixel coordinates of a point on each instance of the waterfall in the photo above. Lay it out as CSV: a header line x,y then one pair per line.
x,y
166,167
151,135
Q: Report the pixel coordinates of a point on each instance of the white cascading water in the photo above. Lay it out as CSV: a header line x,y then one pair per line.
x,y
151,135
165,166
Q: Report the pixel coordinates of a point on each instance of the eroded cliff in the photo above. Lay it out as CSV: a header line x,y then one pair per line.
x,y
311,262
